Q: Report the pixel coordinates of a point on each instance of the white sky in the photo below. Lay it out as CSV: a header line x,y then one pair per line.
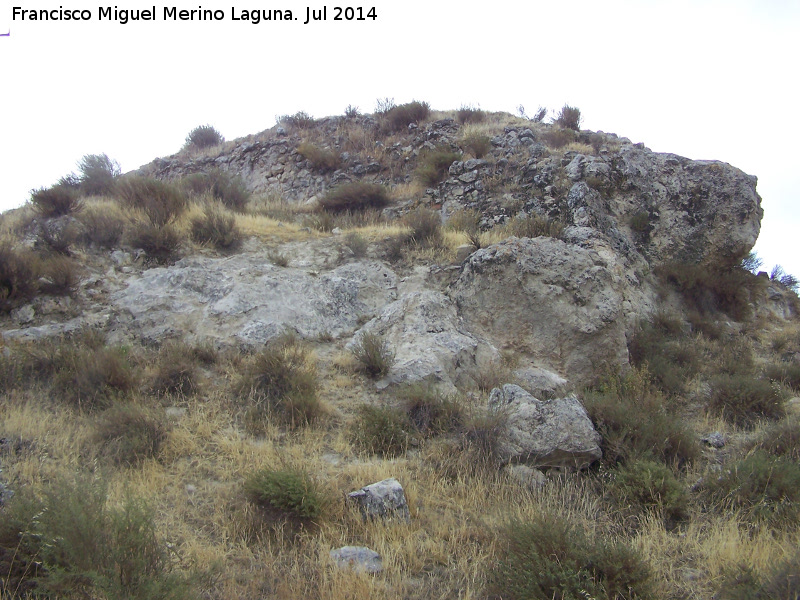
x,y
704,79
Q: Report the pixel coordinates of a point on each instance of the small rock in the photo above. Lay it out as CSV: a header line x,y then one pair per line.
x,y
715,440
175,411
463,252
526,476
384,499
357,558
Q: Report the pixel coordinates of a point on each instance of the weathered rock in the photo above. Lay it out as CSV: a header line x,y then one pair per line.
x,y
357,558
429,341
540,383
554,433
715,440
526,476
381,500
244,298
561,303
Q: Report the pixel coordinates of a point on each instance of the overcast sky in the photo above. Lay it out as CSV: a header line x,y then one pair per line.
x,y
704,79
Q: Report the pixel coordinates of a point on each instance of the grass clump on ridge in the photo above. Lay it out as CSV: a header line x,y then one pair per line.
x,y
373,354
355,196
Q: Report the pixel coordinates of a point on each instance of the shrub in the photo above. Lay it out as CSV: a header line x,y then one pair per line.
x,y
569,117
299,120
56,201
203,136
57,236
374,354
161,202
129,434
320,159
176,371
357,244
549,557
230,190
556,137
289,494
476,144
785,373
218,229
398,118
634,422
766,487
669,355
91,377
643,484
433,165
282,382
429,411
351,112
426,227
160,242
533,226
467,221
469,114
355,196
18,277
98,174
102,227
708,288
742,399
380,430
781,439
59,275
480,439
785,279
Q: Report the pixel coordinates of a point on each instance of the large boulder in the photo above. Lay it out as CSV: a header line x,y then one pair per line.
x,y
246,300
430,342
554,433
565,305
382,500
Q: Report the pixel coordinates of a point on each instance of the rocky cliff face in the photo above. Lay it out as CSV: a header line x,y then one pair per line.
x,y
567,306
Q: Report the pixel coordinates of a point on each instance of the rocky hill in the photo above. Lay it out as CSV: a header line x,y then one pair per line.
x,y
528,297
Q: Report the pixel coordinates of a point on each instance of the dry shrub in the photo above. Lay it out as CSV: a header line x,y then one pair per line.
x,y
556,137
358,244
160,242
743,399
643,484
18,277
374,355
59,275
429,411
92,377
217,229
103,226
569,117
426,227
281,383
176,370
299,120
467,221
533,226
433,165
320,159
57,236
203,136
56,201
380,430
161,202
781,439
129,434
469,114
230,190
398,118
98,174
477,144
355,196
666,351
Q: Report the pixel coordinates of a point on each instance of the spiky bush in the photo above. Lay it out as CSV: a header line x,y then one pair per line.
x,y
477,144
398,118
217,229
433,165
287,493
380,430
102,226
161,202
470,114
646,484
203,136
19,277
355,196
299,120
98,174
129,434
373,354
569,117
743,399
320,159
161,243
426,227
429,411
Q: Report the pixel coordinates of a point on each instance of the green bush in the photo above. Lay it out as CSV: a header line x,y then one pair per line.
x,y
398,118
79,547
469,114
56,201
160,242
98,174
569,117
764,486
549,558
129,434
161,202
320,159
667,352
634,422
289,494
203,136
18,277
434,164
217,229
374,355
380,430
742,399
644,484
282,384
476,144
355,196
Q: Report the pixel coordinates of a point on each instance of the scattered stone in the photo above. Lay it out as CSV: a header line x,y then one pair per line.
x,y
715,440
382,500
357,558
554,433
